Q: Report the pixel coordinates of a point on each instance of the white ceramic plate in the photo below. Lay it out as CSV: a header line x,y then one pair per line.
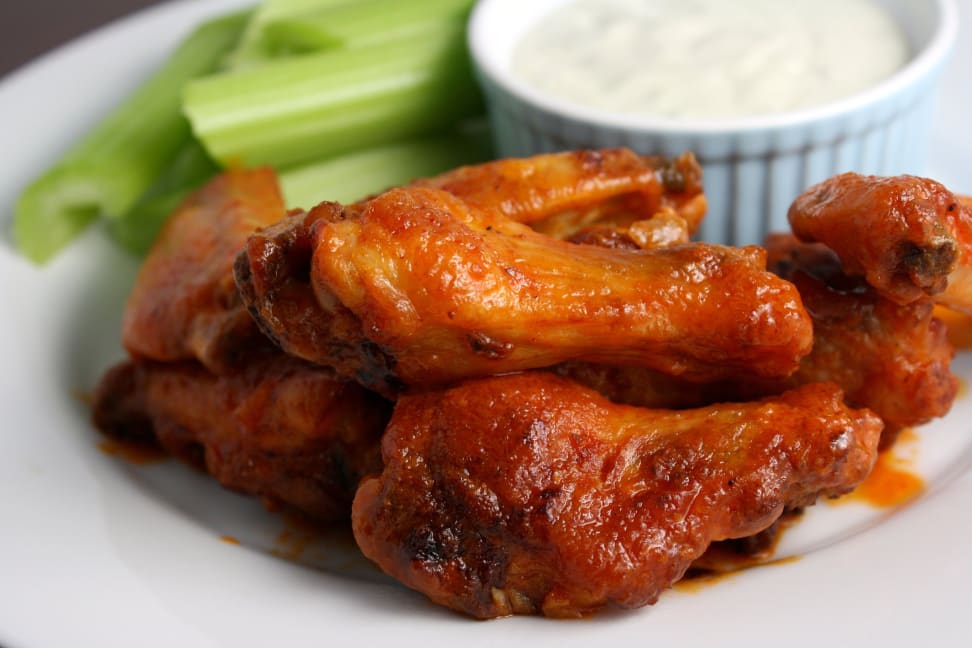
x,y
97,552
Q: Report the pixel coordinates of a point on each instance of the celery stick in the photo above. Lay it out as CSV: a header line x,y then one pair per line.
x,y
253,49
366,22
362,173
106,172
137,228
325,104
345,179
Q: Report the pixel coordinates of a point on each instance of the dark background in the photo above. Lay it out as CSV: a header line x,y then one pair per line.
x,y
31,27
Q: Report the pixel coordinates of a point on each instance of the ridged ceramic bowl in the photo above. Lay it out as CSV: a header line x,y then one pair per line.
x,y
754,167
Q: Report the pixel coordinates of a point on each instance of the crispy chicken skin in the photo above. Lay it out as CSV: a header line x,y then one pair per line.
x,y
893,359
560,194
277,428
904,234
185,304
528,494
415,286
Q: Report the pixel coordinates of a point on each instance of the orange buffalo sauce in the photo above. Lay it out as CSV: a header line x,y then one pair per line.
x,y
891,483
229,539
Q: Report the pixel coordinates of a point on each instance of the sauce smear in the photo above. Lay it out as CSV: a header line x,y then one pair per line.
x,y
891,483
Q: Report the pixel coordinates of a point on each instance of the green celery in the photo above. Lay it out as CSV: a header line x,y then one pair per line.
x,y
137,232
253,49
106,172
325,104
136,228
362,173
357,24
345,179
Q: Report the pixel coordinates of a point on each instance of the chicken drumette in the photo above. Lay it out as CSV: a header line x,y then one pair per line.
x,y
421,286
529,494
563,194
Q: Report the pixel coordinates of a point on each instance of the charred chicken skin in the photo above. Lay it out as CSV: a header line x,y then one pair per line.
x,y
529,494
185,304
278,428
417,286
909,237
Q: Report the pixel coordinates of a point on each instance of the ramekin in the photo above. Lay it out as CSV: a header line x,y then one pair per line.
x,y
753,167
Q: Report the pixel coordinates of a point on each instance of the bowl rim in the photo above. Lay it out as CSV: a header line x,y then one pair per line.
x,y
919,67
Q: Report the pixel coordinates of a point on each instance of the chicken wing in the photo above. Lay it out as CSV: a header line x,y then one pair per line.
x,y
909,237
529,494
278,428
417,287
185,304
560,194
893,359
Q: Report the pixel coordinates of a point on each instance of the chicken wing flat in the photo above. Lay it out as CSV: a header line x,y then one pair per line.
x,y
528,493
279,428
893,359
906,235
560,194
185,304
417,287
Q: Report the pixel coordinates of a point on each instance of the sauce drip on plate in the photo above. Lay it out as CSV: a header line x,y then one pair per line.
x,y
891,483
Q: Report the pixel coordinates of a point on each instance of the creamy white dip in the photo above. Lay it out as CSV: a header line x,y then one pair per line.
x,y
710,59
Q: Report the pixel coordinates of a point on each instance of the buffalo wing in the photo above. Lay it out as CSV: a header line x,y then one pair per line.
x,y
530,494
561,194
417,286
893,359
